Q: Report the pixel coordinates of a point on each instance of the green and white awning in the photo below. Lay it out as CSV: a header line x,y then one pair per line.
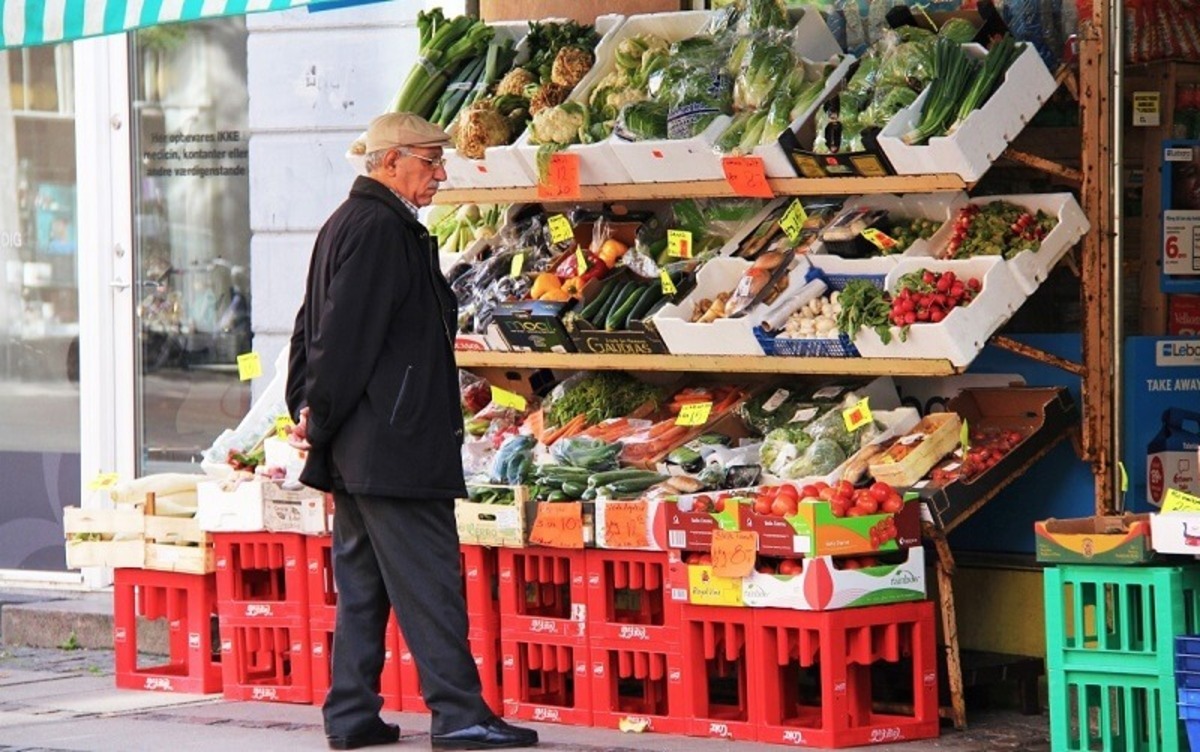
x,y
28,22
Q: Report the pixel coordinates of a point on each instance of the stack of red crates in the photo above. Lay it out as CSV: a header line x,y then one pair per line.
x,y
262,594
188,603
322,603
479,575
544,642
634,630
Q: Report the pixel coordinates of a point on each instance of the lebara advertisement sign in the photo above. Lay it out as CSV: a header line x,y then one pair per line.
x,y
1162,418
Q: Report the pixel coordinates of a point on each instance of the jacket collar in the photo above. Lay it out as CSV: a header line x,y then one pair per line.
x,y
367,187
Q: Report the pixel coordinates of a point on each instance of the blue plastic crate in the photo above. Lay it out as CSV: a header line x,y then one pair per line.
x,y
1190,697
1187,645
1186,662
839,281
1188,680
1191,720
842,347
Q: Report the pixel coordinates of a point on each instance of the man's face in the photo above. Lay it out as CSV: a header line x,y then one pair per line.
x,y
408,172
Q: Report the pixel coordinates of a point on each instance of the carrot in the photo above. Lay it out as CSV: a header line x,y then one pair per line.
x,y
574,426
536,421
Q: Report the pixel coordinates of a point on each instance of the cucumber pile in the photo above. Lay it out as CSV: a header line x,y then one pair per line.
x,y
566,483
623,301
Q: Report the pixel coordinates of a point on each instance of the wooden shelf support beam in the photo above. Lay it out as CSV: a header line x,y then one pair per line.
x,y
1041,356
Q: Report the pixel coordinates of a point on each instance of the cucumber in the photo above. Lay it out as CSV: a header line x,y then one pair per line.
x,y
591,309
612,476
617,315
573,489
559,496
651,295
634,485
612,301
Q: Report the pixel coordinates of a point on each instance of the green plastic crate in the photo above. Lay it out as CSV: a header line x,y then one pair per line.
x,y
1119,619
1100,712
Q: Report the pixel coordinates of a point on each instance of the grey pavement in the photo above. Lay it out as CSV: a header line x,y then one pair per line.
x,y
57,693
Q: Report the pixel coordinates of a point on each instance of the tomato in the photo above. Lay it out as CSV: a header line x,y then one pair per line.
x,y
826,494
810,492
705,560
880,491
845,488
869,561
765,568
719,505
780,507
790,567
702,503
850,564
839,508
855,511
868,505
789,492
762,505
892,505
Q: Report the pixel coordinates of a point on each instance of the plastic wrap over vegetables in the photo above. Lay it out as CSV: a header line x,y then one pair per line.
x,y
759,73
642,121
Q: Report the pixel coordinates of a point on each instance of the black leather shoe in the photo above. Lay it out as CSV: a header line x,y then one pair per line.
x,y
384,733
491,734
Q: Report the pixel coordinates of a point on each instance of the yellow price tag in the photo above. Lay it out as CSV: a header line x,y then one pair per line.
x,y
879,239
518,264
282,424
695,414
505,398
1124,477
580,262
679,244
668,286
249,366
964,437
858,416
103,481
560,229
1178,501
792,221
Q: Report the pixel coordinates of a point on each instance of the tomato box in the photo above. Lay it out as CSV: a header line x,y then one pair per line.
x,y
1042,415
1123,539
696,584
815,531
825,584
691,529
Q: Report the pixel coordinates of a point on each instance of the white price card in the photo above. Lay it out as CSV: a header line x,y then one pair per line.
x,y
1181,242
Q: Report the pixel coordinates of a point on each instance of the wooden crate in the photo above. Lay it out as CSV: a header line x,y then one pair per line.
x,y
177,544
114,537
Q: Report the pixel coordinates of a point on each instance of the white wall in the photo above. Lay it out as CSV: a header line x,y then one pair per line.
x,y
315,80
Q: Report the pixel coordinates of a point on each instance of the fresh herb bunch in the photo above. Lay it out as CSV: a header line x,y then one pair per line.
x,y
864,305
601,396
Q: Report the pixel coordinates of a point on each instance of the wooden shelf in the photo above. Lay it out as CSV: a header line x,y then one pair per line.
x,y
741,364
712,189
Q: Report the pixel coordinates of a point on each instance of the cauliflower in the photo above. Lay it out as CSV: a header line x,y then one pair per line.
x,y
548,95
514,82
559,125
571,64
479,127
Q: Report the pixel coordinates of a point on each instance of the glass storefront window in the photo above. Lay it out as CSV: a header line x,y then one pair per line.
x,y
192,236
39,298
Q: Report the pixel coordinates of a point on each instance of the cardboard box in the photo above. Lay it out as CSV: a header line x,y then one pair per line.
x,y
1171,456
1121,539
1044,414
251,505
870,162
824,586
696,584
937,433
962,334
534,326
1175,533
303,510
689,530
815,531
498,525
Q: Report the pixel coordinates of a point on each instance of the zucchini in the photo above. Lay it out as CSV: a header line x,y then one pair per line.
x,y
559,496
573,489
609,304
594,307
617,315
634,485
651,295
612,476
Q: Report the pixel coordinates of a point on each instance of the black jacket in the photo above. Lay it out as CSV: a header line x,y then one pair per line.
x,y
372,355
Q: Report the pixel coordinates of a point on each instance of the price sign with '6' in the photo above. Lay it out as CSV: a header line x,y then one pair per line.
x,y
1181,242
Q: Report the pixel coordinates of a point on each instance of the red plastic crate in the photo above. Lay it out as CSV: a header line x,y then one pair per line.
x,y
262,662
485,651
188,602
547,680
629,599
817,677
630,682
322,592
543,593
480,570
262,576
321,638
718,656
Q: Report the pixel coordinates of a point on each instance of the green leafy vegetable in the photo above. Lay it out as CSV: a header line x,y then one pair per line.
x,y
864,305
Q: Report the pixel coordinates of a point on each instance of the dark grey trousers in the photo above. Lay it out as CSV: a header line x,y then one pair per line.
x,y
403,552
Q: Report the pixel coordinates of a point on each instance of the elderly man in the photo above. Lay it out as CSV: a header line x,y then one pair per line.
x,y
373,384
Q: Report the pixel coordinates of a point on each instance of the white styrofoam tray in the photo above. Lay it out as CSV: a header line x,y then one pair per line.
x,y
1175,533
597,163
1033,265
724,336
680,160
936,206
984,135
962,334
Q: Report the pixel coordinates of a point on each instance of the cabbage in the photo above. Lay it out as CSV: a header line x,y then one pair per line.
x,y
822,457
958,30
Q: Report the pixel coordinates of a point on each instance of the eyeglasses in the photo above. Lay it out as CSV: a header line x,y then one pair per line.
x,y
435,162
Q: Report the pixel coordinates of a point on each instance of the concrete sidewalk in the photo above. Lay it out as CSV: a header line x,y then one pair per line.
x,y
55,699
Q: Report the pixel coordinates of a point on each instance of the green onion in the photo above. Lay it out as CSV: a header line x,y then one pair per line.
x,y
995,65
953,73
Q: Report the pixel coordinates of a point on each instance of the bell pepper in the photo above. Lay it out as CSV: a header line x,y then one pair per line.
x,y
569,266
544,283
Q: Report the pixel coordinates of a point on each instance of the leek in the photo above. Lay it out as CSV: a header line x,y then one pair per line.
x,y
990,76
953,73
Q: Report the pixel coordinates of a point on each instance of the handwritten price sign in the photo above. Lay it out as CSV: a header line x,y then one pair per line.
x,y
625,524
733,552
747,176
562,178
558,525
